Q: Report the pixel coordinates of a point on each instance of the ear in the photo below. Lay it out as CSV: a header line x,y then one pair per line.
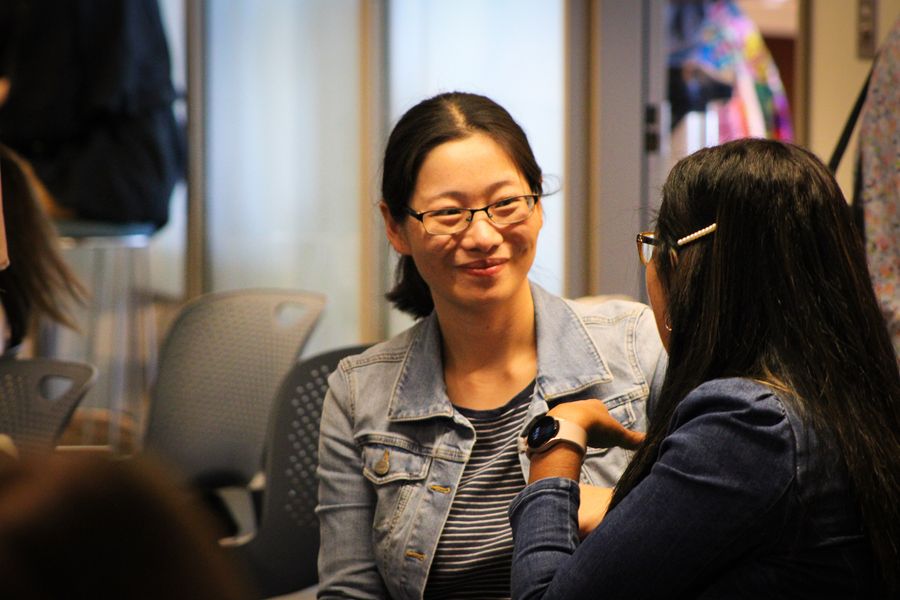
x,y
394,231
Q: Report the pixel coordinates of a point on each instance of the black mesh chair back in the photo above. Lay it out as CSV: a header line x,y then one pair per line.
x,y
219,369
282,556
37,399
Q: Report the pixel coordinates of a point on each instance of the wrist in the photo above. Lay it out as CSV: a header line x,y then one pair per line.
x,y
550,431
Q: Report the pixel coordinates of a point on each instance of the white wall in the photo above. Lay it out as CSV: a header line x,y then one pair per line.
x,y
837,74
283,152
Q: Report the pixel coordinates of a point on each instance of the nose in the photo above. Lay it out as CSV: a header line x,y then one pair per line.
x,y
482,235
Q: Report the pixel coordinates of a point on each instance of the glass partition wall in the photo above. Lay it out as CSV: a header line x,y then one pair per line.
x,y
283,131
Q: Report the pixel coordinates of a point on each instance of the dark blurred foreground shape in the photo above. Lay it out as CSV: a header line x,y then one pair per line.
x,y
87,526
86,95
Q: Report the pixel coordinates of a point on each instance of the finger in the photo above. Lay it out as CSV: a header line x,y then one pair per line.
x,y
613,434
632,439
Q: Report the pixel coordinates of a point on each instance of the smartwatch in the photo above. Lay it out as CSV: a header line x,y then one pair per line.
x,y
547,431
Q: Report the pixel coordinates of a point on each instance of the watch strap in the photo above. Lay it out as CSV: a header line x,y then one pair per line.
x,y
569,432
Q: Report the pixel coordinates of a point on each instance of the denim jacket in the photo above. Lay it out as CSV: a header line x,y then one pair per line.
x,y
392,448
744,501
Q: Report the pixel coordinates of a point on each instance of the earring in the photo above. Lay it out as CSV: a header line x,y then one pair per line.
x,y
666,323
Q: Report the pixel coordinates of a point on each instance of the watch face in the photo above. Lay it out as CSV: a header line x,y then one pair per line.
x,y
542,431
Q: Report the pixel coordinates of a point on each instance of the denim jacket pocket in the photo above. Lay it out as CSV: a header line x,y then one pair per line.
x,y
622,408
385,463
397,471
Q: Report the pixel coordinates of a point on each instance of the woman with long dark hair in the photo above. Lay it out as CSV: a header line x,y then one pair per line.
x,y
419,454
771,467
38,283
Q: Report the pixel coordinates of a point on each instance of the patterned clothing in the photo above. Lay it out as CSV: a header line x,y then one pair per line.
x,y
879,145
718,42
474,554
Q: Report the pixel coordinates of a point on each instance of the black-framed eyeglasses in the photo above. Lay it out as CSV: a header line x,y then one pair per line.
x,y
646,242
447,221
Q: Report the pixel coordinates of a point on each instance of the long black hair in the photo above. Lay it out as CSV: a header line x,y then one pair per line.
x,y
432,122
38,282
780,293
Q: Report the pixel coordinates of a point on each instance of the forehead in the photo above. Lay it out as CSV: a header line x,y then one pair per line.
x,y
467,166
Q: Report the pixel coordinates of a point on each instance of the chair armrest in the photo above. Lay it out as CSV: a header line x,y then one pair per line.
x,y
239,504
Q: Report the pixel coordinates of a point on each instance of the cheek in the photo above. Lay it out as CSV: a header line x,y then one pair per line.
x,y
430,253
525,235
657,303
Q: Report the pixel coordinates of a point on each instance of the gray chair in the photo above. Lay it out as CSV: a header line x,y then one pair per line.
x,y
282,555
219,368
37,399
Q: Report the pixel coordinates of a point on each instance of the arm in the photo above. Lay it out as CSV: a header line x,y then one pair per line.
x,y
593,506
716,491
565,461
346,505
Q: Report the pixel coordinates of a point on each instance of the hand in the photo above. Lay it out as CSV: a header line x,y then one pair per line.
x,y
603,430
594,502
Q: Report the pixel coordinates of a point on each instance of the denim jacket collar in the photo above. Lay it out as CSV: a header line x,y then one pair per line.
x,y
419,395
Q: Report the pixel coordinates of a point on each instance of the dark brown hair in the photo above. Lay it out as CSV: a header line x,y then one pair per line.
x,y
432,122
780,293
38,282
79,526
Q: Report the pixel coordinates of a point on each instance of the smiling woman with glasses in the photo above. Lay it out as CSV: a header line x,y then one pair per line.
x,y
427,437
771,467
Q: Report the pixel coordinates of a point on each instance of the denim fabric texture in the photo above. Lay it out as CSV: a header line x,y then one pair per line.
x,y
744,501
392,448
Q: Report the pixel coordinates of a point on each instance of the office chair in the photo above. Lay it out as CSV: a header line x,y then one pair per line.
x,y
282,554
219,368
37,399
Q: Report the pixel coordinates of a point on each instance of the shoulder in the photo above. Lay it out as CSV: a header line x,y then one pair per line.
x,y
606,309
623,327
386,352
379,362
732,395
603,315
736,415
736,432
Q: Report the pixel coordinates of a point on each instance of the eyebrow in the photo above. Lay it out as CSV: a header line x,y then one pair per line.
x,y
460,196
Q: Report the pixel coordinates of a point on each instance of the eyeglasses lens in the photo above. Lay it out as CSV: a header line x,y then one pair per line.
x,y
645,244
454,220
512,210
646,253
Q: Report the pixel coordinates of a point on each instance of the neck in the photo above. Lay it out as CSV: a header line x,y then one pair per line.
x,y
489,355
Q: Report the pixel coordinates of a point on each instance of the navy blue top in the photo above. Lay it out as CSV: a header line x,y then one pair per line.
x,y
744,501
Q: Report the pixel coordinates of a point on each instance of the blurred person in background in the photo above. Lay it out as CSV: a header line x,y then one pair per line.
x,y
37,282
86,96
878,180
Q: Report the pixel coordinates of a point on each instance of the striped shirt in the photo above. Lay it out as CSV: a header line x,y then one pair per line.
x,y
474,552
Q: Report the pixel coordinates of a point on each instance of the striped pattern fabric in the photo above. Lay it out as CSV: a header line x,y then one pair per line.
x,y
475,550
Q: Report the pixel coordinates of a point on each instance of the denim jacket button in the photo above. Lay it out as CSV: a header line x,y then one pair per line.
x,y
384,464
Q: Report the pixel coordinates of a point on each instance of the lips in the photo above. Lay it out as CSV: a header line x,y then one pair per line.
x,y
485,267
